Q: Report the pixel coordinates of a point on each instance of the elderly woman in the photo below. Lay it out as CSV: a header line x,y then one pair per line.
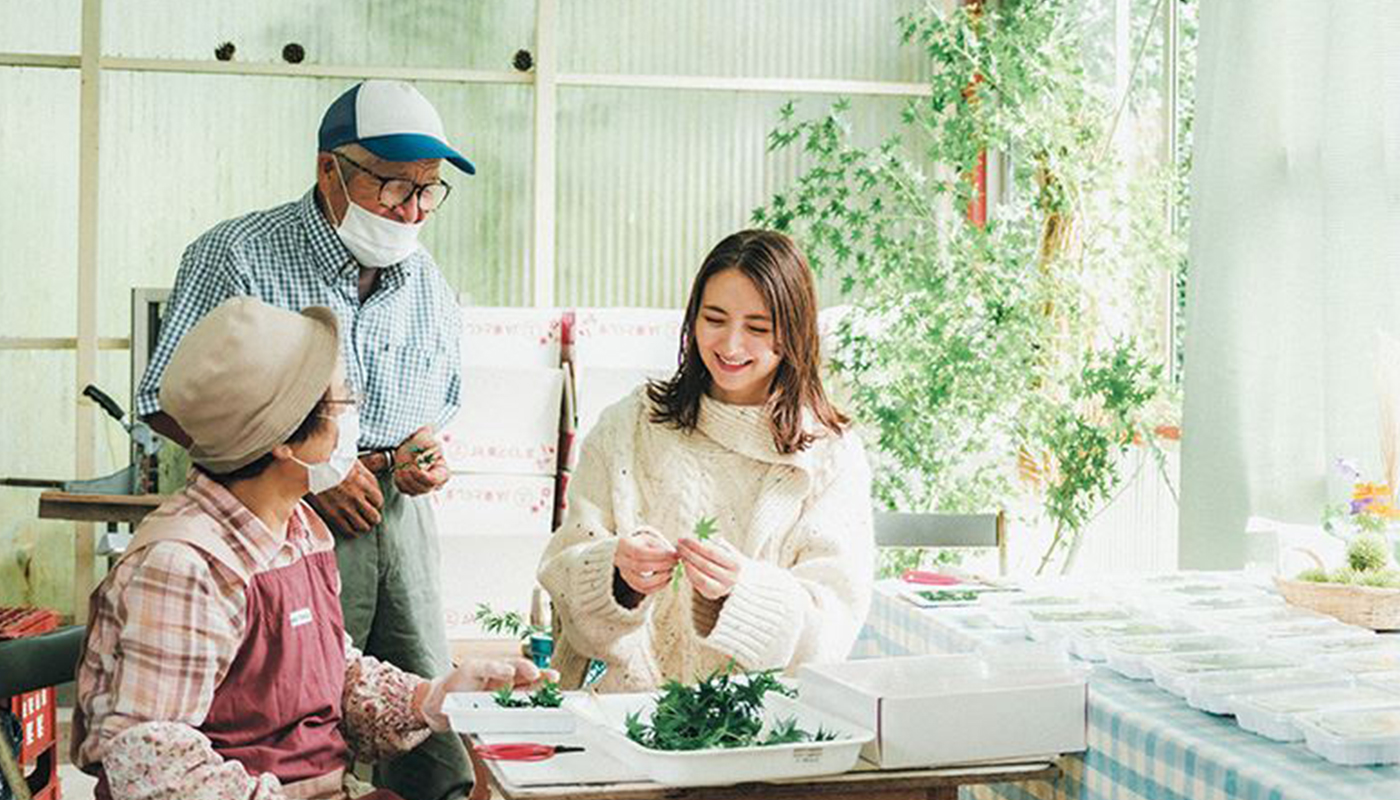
x,y
216,663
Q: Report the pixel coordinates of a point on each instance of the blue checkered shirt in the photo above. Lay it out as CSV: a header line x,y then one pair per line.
x,y
401,346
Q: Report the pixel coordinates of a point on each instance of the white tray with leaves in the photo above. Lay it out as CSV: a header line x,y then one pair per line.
x,y
510,712
721,731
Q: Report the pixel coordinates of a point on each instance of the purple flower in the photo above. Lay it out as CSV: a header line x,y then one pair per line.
x,y
1347,469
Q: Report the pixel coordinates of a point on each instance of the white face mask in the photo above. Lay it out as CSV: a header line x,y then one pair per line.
x,y
373,240
332,472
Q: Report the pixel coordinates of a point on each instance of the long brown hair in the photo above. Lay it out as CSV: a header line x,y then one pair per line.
x,y
779,270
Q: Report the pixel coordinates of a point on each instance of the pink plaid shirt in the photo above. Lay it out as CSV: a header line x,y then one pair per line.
x,y
164,627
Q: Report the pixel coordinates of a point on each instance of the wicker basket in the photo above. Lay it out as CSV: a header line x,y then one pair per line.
x,y
1367,606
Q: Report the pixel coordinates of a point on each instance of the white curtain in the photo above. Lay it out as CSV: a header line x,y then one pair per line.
x,y
1295,260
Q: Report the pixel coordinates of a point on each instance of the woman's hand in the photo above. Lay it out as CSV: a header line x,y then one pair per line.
x,y
712,567
644,560
477,675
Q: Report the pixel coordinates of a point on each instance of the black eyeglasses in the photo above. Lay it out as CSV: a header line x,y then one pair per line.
x,y
394,192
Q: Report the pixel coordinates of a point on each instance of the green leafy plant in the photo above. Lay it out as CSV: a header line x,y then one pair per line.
x,y
505,698
704,529
723,710
547,696
998,359
509,622
948,595
1368,553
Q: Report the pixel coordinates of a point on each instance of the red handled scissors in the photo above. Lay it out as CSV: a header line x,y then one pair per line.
x,y
522,751
929,578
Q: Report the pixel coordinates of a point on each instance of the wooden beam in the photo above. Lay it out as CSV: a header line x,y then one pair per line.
x,y
90,508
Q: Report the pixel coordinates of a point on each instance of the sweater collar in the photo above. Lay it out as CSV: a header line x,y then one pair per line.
x,y
745,430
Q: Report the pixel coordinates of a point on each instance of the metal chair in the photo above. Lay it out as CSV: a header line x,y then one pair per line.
x,y
27,664
899,529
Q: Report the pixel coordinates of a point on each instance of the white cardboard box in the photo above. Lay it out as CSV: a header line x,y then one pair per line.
x,y
629,338
596,388
508,423
496,570
493,505
921,719
495,336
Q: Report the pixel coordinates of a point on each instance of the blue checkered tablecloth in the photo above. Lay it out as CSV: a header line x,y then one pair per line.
x,y
1144,744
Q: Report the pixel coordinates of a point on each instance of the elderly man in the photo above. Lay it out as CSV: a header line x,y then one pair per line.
x,y
351,244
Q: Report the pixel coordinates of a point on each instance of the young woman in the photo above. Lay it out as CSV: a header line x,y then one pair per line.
x,y
743,435
216,663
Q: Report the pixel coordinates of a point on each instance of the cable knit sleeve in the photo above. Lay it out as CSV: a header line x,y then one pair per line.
x,y
811,610
577,566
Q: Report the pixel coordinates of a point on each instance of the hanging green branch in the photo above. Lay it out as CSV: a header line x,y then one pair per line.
x,y
976,356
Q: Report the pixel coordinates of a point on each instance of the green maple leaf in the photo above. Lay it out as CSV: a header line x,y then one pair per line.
x,y
704,529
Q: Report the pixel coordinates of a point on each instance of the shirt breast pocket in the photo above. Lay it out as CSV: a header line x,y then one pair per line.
x,y
418,379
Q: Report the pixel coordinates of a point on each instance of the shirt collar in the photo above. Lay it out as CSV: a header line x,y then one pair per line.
x,y
331,256
240,525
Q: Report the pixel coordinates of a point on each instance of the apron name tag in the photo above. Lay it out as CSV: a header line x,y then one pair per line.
x,y
299,617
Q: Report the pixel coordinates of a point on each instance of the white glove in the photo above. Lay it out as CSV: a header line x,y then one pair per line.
x,y
479,675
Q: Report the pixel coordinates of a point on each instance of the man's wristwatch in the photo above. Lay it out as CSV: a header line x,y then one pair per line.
x,y
378,461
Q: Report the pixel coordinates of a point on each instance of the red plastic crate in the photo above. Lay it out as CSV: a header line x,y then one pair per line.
x,y
35,710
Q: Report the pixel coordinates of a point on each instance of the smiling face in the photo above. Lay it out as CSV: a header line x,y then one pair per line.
x,y
734,334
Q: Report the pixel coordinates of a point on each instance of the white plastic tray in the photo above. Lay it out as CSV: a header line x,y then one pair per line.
x,y
1273,714
1340,644
602,723
1088,641
1227,603
477,712
1363,663
1128,656
1388,680
1354,737
1171,672
1215,692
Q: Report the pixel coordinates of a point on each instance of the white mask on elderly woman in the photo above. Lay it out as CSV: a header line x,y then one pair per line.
x,y
374,241
332,472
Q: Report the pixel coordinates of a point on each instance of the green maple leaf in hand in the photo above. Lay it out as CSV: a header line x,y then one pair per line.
x,y
704,529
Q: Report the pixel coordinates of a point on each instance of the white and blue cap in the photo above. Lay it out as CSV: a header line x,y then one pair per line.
x,y
390,119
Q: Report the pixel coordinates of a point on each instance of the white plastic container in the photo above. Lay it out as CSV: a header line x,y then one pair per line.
x,y
1227,603
1363,662
1354,738
1388,680
1088,641
1171,672
1251,618
1215,692
602,724
1339,644
1303,627
477,712
1055,624
1273,714
936,710
1128,656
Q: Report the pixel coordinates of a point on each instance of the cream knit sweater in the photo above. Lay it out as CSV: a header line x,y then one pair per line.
x,y
801,524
